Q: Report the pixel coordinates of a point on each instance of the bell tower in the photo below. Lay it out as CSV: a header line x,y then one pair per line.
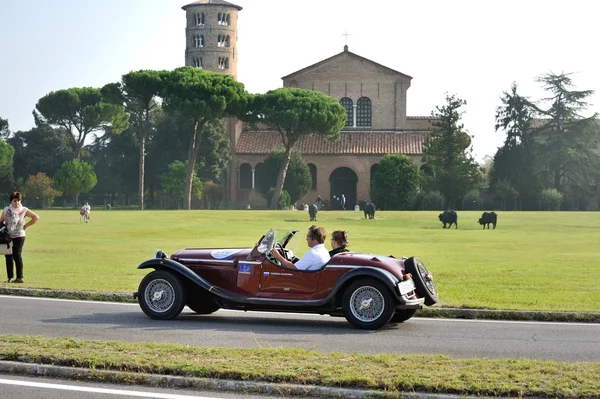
x,y
211,36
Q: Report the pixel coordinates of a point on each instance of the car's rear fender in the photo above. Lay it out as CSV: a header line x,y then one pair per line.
x,y
382,275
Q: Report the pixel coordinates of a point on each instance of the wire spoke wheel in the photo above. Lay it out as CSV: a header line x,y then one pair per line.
x,y
368,304
161,295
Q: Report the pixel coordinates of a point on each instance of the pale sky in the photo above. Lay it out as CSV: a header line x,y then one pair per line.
x,y
474,49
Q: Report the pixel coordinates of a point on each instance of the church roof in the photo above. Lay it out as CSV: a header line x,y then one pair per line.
x,y
211,3
352,142
344,53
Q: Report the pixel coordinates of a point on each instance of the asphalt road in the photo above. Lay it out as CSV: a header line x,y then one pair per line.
x,y
21,387
573,342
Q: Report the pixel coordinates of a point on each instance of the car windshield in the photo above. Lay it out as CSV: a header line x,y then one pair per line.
x,y
273,236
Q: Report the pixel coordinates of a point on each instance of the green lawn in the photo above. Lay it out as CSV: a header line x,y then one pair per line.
x,y
532,261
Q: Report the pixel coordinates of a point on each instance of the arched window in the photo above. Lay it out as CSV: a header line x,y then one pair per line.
x,y
199,41
347,104
199,17
223,41
245,176
223,63
313,176
363,112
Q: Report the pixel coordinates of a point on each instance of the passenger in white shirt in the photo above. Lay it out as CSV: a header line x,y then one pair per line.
x,y
313,259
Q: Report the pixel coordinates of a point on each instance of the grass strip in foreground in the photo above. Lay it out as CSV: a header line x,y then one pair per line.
x,y
386,372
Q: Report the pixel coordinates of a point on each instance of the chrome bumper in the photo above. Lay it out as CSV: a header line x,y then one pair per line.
x,y
404,288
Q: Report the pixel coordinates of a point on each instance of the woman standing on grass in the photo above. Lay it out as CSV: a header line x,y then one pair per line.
x,y
14,218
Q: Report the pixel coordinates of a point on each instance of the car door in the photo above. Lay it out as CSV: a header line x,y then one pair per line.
x,y
277,279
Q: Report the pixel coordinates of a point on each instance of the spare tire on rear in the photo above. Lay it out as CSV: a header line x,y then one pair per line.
x,y
423,280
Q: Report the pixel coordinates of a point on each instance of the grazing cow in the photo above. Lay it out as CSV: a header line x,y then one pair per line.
x,y
449,217
369,210
312,211
487,218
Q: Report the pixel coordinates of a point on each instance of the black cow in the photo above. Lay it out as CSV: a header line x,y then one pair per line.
x,y
312,211
487,218
369,210
449,217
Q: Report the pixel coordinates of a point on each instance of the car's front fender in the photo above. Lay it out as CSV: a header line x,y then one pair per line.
x,y
168,264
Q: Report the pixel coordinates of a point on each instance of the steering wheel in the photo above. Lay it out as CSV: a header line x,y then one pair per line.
x,y
271,258
279,249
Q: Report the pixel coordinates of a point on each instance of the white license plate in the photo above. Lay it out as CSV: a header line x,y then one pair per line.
x,y
406,286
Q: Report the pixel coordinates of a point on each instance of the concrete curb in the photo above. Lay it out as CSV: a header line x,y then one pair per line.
x,y
167,381
453,313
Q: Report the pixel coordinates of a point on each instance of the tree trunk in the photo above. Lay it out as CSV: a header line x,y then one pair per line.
x,y
141,170
281,179
192,156
78,147
76,200
142,160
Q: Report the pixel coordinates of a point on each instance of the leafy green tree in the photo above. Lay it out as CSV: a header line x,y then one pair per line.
x,y
296,113
41,149
566,139
4,129
201,96
138,92
115,163
505,192
395,183
7,154
41,187
212,193
215,152
75,177
174,180
447,152
514,162
170,143
472,200
431,200
551,199
81,112
297,183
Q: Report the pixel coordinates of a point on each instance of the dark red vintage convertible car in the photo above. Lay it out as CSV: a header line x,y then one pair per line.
x,y
368,290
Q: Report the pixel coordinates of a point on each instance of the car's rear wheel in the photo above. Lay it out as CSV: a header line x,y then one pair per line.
x,y
401,315
423,280
161,295
368,304
201,304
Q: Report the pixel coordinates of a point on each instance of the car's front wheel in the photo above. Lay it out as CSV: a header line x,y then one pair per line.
x,y
368,304
401,315
161,295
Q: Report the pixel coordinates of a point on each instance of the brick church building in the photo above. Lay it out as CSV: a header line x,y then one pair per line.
x,y
374,96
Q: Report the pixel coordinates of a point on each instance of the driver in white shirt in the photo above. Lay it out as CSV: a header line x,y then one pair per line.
x,y
313,259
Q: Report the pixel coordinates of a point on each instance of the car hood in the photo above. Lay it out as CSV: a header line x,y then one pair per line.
x,y
390,263
211,253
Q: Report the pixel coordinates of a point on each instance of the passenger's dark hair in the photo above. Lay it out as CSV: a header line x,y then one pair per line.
x,y
341,237
317,233
16,195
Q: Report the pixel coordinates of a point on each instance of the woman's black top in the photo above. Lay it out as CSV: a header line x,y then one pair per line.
x,y
337,251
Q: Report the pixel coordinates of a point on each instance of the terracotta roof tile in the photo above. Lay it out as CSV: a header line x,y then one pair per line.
x,y
354,142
